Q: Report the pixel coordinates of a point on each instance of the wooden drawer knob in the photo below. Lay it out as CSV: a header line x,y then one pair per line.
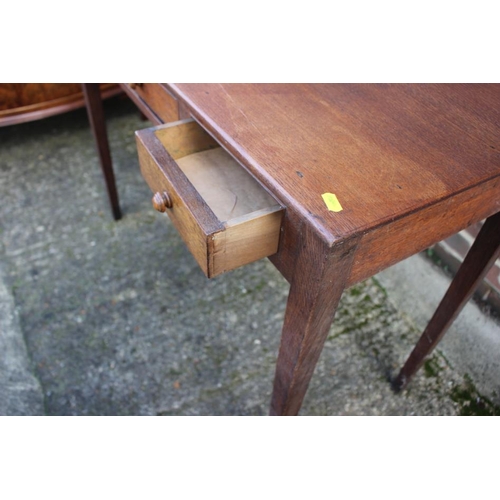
x,y
161,201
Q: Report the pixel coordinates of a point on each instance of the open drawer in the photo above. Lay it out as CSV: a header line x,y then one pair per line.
x,y
226,218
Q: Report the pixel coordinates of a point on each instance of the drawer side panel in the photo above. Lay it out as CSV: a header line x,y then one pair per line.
x,y
194,234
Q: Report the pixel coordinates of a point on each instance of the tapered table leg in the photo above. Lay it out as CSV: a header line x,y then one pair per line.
x,y
481,256
319,280
95,113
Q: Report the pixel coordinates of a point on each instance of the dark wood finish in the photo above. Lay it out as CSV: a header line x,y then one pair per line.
x,y
422,229
155,101
97,123
319,280
479,259
340,133
25,102
410,165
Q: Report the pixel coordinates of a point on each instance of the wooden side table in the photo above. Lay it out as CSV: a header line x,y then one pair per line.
x,y
364,175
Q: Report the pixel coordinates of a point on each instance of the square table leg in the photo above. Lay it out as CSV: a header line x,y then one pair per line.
x,y
95,113
319,279
478,261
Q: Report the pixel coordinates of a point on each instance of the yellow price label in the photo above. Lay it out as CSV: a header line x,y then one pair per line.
x,y
332,202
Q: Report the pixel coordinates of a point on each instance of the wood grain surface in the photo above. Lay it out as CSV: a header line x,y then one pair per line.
x,y
315,291
155,101
19,95
388,152
24,102
191,216
173,160
384,150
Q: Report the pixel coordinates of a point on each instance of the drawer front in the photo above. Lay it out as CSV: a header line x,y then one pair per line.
x,y
219,243
156,99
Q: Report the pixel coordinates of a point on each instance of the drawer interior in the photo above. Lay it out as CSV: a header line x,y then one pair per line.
x,y
226,187
226,218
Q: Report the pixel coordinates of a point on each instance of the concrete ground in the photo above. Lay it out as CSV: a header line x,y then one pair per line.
x,y
115,318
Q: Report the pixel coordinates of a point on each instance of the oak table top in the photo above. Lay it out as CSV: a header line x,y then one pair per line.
x,y
389,153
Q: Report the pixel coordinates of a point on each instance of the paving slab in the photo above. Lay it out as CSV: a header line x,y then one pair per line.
x,y
20,391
